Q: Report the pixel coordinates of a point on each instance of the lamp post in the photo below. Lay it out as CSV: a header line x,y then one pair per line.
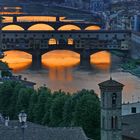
x,y
22,119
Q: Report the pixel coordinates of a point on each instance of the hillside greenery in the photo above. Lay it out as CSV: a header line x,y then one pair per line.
x,y
54,109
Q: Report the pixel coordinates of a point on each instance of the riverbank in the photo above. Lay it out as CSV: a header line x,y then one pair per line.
x,y
132,66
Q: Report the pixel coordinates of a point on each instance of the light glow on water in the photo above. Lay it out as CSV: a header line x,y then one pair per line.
x,y
17,60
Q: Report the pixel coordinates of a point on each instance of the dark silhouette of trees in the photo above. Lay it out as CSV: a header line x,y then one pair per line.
x,y
53,109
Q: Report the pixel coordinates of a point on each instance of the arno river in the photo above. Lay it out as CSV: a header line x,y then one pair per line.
x,y
61,68
61,71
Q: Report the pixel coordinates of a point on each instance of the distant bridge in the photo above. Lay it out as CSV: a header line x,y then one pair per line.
x,y
85,43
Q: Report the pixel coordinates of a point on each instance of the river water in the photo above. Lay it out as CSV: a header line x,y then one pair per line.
x,y
61,68
61,71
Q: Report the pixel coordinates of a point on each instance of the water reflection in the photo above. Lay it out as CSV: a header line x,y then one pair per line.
x,y
17,60
59,63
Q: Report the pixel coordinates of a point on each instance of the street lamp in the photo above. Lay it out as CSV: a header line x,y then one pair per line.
x,y
22,119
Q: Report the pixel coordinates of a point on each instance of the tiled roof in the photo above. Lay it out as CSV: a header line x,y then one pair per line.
x,y
110,83
38,132
131,126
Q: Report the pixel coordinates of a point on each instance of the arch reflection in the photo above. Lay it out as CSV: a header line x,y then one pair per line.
x,y
60,64
17,60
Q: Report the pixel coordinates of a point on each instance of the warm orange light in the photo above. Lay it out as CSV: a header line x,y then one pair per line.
x,y
70,41
12,28
7,19
42,27
92,28
17,60
101,57
69,27
60,58
52,41
35,18
60,63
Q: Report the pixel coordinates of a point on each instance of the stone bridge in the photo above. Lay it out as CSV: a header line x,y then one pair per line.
x,y
85,43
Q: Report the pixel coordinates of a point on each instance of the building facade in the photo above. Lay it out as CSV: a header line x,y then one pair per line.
x,y
111,101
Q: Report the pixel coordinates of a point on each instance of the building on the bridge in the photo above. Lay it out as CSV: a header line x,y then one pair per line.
x,y
111,101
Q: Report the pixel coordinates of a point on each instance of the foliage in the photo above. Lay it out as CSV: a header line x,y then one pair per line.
x,y
54,109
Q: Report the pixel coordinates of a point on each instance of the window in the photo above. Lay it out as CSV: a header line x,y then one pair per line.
x,y
103,122
114,122
114,99
133,110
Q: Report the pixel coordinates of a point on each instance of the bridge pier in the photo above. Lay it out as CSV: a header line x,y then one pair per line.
x,y
36,60
85,59
14,19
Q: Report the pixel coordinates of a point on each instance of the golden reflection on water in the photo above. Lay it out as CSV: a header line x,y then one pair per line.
x,y
17,60
59,63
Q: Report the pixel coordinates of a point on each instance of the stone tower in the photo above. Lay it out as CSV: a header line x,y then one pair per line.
x,y
111,101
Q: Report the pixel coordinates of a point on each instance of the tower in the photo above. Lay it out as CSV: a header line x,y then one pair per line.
x,y
111,101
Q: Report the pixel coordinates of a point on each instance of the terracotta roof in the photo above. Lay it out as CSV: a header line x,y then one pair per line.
x,y
131,126
38,132
110,83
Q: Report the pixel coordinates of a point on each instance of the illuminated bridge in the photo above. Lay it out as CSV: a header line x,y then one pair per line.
x,y
83,42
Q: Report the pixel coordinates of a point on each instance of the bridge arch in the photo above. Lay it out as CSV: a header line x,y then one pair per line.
x,y
13,27
100,57
93,27
69,27
41,27
17,60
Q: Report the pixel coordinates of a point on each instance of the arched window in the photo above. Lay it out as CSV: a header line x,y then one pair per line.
x,y
103,122
114,122
114,99
52,41
70,41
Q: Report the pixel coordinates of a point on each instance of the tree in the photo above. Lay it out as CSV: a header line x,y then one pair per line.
x,y
87,115
23,100
43,94
56,111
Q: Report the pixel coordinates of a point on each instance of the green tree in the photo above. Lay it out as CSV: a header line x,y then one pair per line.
x,y
43,94
87,115
56,112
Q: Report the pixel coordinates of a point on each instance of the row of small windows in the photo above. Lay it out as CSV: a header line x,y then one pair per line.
x,y
51,41
97,36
